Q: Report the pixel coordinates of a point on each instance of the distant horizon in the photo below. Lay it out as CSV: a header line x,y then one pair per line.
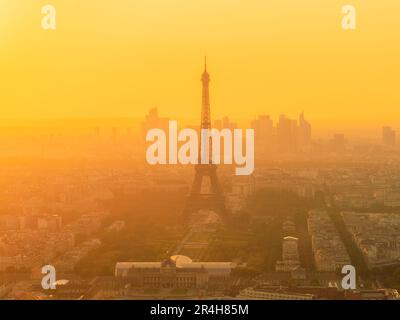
x,y
88,124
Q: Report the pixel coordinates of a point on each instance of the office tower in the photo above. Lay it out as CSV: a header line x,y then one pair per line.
x,y
152,121
304,131
264,135
338,143
286,134
224,123
388,136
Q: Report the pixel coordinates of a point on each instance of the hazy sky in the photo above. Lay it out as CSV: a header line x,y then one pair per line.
x,y
121,57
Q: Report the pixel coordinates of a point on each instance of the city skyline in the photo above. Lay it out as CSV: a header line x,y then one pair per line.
x,y
339,78
84,125
132,169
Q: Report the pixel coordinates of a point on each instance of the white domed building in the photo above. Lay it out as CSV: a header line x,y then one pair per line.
x,y
174,272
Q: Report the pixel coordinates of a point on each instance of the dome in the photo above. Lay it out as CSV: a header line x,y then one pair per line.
x,y
180,260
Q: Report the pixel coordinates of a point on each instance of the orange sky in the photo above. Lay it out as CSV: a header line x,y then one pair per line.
x,y
119,58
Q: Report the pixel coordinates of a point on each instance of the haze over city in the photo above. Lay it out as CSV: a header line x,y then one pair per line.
x,y
308,206
118,59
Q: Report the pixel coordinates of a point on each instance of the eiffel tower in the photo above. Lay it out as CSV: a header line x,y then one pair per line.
x,y
198,199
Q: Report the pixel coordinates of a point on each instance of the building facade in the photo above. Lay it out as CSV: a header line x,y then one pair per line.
x,y
174,272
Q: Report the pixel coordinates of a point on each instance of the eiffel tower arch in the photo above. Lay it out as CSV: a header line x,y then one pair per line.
x,y
213,199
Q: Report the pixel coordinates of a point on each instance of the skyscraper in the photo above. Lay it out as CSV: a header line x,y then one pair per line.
x,y
153,120
388,136
286,134
338,143
304,131
224,123
264,135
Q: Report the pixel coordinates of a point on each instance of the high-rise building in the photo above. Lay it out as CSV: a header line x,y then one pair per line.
x,y
338,143
264,135
286,134
388,136
304,131
153,120
224,123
